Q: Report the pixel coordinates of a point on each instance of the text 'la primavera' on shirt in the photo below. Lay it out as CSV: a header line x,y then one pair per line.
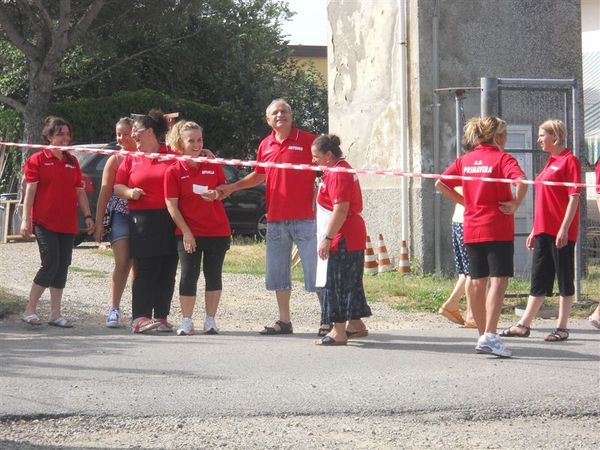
x,y
289,192
55,202
186,183
147,174
483,220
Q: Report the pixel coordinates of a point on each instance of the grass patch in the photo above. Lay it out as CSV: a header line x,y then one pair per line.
x,y
9,303
89,272
405,292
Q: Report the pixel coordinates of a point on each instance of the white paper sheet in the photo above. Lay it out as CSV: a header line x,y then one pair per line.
x,y
323,218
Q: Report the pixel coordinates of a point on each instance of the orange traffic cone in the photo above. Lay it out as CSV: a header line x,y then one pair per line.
x,y
404,263
383,260
370,259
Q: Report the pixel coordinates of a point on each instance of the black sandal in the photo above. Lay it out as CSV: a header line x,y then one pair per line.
x,y
559,334
279,327
324,329
507,333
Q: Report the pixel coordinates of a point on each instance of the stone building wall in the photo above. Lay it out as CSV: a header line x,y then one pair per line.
x,y
476,38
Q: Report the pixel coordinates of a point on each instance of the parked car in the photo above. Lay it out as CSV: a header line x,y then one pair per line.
x,y
246,209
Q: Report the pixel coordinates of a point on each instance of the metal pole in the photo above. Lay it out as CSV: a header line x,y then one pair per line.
x,y
489,96
437,201
459,96
576,152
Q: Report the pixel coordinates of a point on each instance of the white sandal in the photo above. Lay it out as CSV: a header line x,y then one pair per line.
x,y
32,319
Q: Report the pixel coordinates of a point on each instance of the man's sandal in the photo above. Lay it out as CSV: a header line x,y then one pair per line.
x,y
559,334
279,327
508,333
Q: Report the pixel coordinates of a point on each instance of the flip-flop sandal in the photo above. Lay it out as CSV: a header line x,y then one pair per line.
x,y
559,334
507,333
357,334
279,327
61,322
328,341
32,319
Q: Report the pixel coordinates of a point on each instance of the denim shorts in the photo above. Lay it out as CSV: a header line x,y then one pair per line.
x,y
280,237
119,228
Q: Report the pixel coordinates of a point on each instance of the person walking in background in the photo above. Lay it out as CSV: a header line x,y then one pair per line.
x,y
555,229
54,189
290,208
343,246
140,180
115,209
489,223
203,231
450,309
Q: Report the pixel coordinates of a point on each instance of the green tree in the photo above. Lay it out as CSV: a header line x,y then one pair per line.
x,y
228,54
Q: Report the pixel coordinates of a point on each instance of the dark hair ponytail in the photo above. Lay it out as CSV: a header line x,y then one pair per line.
x,y
328,143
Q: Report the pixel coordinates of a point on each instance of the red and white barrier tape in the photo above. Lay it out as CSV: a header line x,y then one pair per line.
x,y
249,163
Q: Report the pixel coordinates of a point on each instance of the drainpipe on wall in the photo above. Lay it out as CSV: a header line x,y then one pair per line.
x,y
403,42
436,139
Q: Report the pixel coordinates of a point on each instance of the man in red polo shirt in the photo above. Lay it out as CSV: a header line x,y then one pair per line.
x,y
290,207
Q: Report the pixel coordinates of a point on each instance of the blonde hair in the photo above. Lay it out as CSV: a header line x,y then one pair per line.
x,y
484,130
174,136
557,129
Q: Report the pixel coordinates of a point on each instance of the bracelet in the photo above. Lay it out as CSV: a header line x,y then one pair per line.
x,y
327,238
88,217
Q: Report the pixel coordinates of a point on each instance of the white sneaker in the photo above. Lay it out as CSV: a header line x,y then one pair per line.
x,y
492,346
187,327
210,326
113,318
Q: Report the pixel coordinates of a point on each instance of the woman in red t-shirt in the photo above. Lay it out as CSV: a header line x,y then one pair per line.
x,y
343,246
488,223
203,230
152,244
54,188
555,228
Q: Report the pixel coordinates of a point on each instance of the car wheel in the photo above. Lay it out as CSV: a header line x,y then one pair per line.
x,y
261,227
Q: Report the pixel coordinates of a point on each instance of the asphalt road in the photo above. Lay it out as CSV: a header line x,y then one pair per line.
x,y
90,370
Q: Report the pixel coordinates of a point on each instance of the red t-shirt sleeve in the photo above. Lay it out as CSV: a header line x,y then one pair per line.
x,y
122,176
340,187
258,169
453,169
172,188
510,168
78,177
598,178
221,176
32,169
574,174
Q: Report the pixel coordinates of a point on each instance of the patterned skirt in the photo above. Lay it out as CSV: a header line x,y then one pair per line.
x,y
343,297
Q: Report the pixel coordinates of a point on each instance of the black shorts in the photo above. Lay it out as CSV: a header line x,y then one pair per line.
x,y
491,259
210,249
550,262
